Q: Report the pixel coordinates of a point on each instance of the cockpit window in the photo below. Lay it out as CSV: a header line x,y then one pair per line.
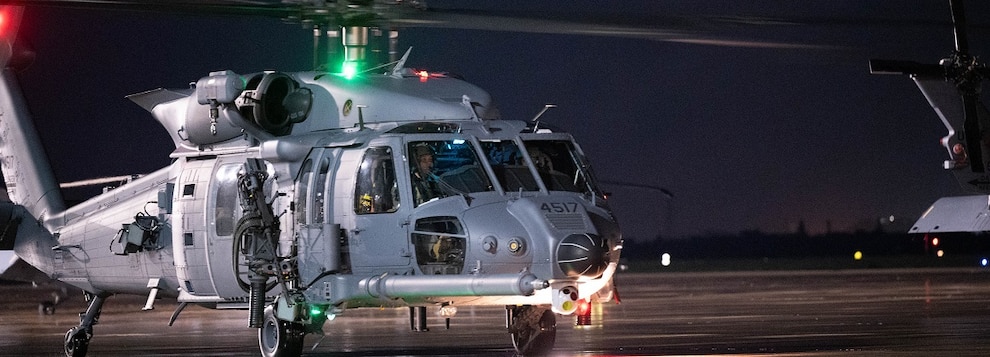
x,y
444,168
560,166
440,245
509,166
376,190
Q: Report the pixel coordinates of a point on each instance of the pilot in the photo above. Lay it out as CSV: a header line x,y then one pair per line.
x,y
441,248
544,166
424,181
541,160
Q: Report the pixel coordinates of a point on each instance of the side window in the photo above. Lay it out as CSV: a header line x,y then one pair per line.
x,y
376,190
302,188
319,188
227,204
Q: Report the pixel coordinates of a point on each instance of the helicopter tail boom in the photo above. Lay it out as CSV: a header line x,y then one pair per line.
x,y
26,171
31,189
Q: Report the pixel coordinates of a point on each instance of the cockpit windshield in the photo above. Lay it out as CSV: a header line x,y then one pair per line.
x,y
444,168
561,166
509,166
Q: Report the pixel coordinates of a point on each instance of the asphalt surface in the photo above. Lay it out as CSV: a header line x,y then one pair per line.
x,y
802,313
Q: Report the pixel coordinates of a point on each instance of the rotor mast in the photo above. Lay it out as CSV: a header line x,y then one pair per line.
x,y
351,49
355,49
347,28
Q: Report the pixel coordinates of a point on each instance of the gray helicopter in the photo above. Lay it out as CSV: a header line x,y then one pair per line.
x,y
952,88
299,196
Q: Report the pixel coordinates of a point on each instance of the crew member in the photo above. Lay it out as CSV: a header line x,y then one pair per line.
x,y
424,181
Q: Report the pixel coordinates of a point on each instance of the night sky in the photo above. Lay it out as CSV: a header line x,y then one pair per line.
x,y
749,137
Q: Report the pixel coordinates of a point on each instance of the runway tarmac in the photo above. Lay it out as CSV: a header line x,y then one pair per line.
x,y
803,313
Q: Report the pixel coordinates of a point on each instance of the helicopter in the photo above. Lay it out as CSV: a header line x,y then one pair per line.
x,y
286,158
297,196
953,88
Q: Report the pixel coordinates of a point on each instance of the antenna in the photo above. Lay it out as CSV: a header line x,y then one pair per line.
x,y
361,116
466,101
400,65
536,119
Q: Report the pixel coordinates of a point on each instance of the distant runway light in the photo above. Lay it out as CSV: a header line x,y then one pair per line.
x,y
858,255
984,262
940,253
665,259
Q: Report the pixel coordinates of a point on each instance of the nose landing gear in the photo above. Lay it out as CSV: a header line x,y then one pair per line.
x,y
533,329
280,338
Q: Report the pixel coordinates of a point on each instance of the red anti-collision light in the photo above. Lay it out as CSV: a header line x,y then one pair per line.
x,y
583,313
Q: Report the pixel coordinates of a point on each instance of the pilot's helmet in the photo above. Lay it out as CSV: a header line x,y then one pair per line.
x,y
419,150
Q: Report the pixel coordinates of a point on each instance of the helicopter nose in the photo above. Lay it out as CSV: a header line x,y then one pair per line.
x,y
582,255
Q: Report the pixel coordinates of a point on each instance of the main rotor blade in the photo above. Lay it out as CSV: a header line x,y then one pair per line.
x,y
959,26
656,188
754,31
221,7
682,29
98,181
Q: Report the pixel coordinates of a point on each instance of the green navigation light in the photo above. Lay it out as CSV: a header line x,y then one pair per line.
x,y
349,69
315,310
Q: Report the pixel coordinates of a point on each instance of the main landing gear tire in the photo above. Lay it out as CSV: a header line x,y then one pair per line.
x,y
76,342
533,330
280,338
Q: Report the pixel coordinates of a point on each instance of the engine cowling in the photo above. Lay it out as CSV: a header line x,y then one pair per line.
x,y
274,101
228,105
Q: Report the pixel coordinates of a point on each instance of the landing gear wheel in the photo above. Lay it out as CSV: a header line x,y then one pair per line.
x,y
76,342
280,338
534,330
